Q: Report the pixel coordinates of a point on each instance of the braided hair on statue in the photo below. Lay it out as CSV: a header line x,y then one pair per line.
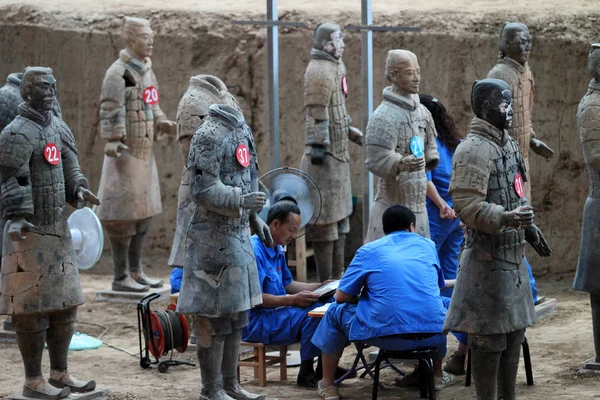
x,y
444,123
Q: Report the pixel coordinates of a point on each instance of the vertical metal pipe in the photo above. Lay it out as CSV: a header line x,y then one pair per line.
x,y
367,106
273,83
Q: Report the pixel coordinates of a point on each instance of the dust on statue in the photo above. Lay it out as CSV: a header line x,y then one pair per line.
x,y
129,188
39,284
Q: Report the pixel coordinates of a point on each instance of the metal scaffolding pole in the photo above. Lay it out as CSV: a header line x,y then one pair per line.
x,y
273,83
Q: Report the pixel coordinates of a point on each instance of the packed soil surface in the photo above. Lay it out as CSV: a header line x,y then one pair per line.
x,y
558,344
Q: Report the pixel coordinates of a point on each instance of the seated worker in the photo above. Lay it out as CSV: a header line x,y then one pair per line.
x,y
392,287
282,318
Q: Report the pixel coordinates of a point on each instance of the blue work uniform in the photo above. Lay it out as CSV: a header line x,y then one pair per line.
x,y
175,279
282,325
398,278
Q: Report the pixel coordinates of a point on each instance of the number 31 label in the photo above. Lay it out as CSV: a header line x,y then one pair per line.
x,y
52,153
243,155
151,95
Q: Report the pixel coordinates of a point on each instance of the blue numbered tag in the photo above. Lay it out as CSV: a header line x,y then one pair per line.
x,y
417,146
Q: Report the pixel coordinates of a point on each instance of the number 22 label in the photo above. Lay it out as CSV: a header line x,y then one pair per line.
x,y
52,153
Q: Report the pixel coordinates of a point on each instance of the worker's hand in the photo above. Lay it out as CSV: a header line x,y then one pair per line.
x,y
446,212
355,135
304,299
411,163
541,148
262,230
17,229
84,194
114,148
520,217
536,239
317,154
254,201
450,283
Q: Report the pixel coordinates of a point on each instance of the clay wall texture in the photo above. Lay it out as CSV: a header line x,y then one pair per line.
x,y
449,64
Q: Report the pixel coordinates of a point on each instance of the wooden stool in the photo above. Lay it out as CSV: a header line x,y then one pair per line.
x,y
260,360
302,253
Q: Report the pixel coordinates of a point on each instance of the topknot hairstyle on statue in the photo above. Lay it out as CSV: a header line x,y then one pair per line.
x,y
482,90
322,34
507,35
594,61
30,74
397,218
397,60
130,26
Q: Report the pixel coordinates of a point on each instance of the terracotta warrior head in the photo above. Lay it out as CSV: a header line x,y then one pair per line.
x,y
138,37
492,101
38,88
515,41
403,72
328,37
594,61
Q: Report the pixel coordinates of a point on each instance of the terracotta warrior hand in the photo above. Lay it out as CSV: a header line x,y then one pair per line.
x,y
317,154
541,148
536,239
253,201
519,217
262,230
411,164
355,135
114,148
17,229
84,194
166,128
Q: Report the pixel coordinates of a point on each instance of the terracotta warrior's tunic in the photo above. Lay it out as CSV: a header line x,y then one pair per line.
x,y
520,80
587,278
203,91
389,133
129,188
220,276
39,274
492,293
324,93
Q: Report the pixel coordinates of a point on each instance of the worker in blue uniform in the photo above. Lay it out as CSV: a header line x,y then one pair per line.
x,y
391,288
282,318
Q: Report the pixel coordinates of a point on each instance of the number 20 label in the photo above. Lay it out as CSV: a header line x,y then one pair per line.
x,y
151,95
52,153
243,155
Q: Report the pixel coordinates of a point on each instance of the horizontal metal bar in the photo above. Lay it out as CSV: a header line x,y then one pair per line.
x,y
375,28
271,23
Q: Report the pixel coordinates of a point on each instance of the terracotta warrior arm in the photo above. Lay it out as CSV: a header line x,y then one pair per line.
x,y
432,156
471,168
204,164
318,117
381,141
112,105
318,89
158,114
15,179
74,178
588,121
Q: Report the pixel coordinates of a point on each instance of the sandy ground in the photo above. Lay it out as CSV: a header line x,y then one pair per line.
x,y
558,344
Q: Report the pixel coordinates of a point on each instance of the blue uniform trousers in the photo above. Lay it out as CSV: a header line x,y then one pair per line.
x,y
332,335
284,326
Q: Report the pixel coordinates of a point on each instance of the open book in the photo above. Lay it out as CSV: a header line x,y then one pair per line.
x,y
319,311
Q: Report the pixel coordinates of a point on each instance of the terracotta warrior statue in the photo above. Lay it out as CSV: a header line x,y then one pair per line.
x,y
401,144
326,159
492,297
39,283
513,68
220,278
587,278
203,91
130,117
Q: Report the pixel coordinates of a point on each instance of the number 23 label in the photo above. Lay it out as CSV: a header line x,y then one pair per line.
x,y
243,155
52,153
